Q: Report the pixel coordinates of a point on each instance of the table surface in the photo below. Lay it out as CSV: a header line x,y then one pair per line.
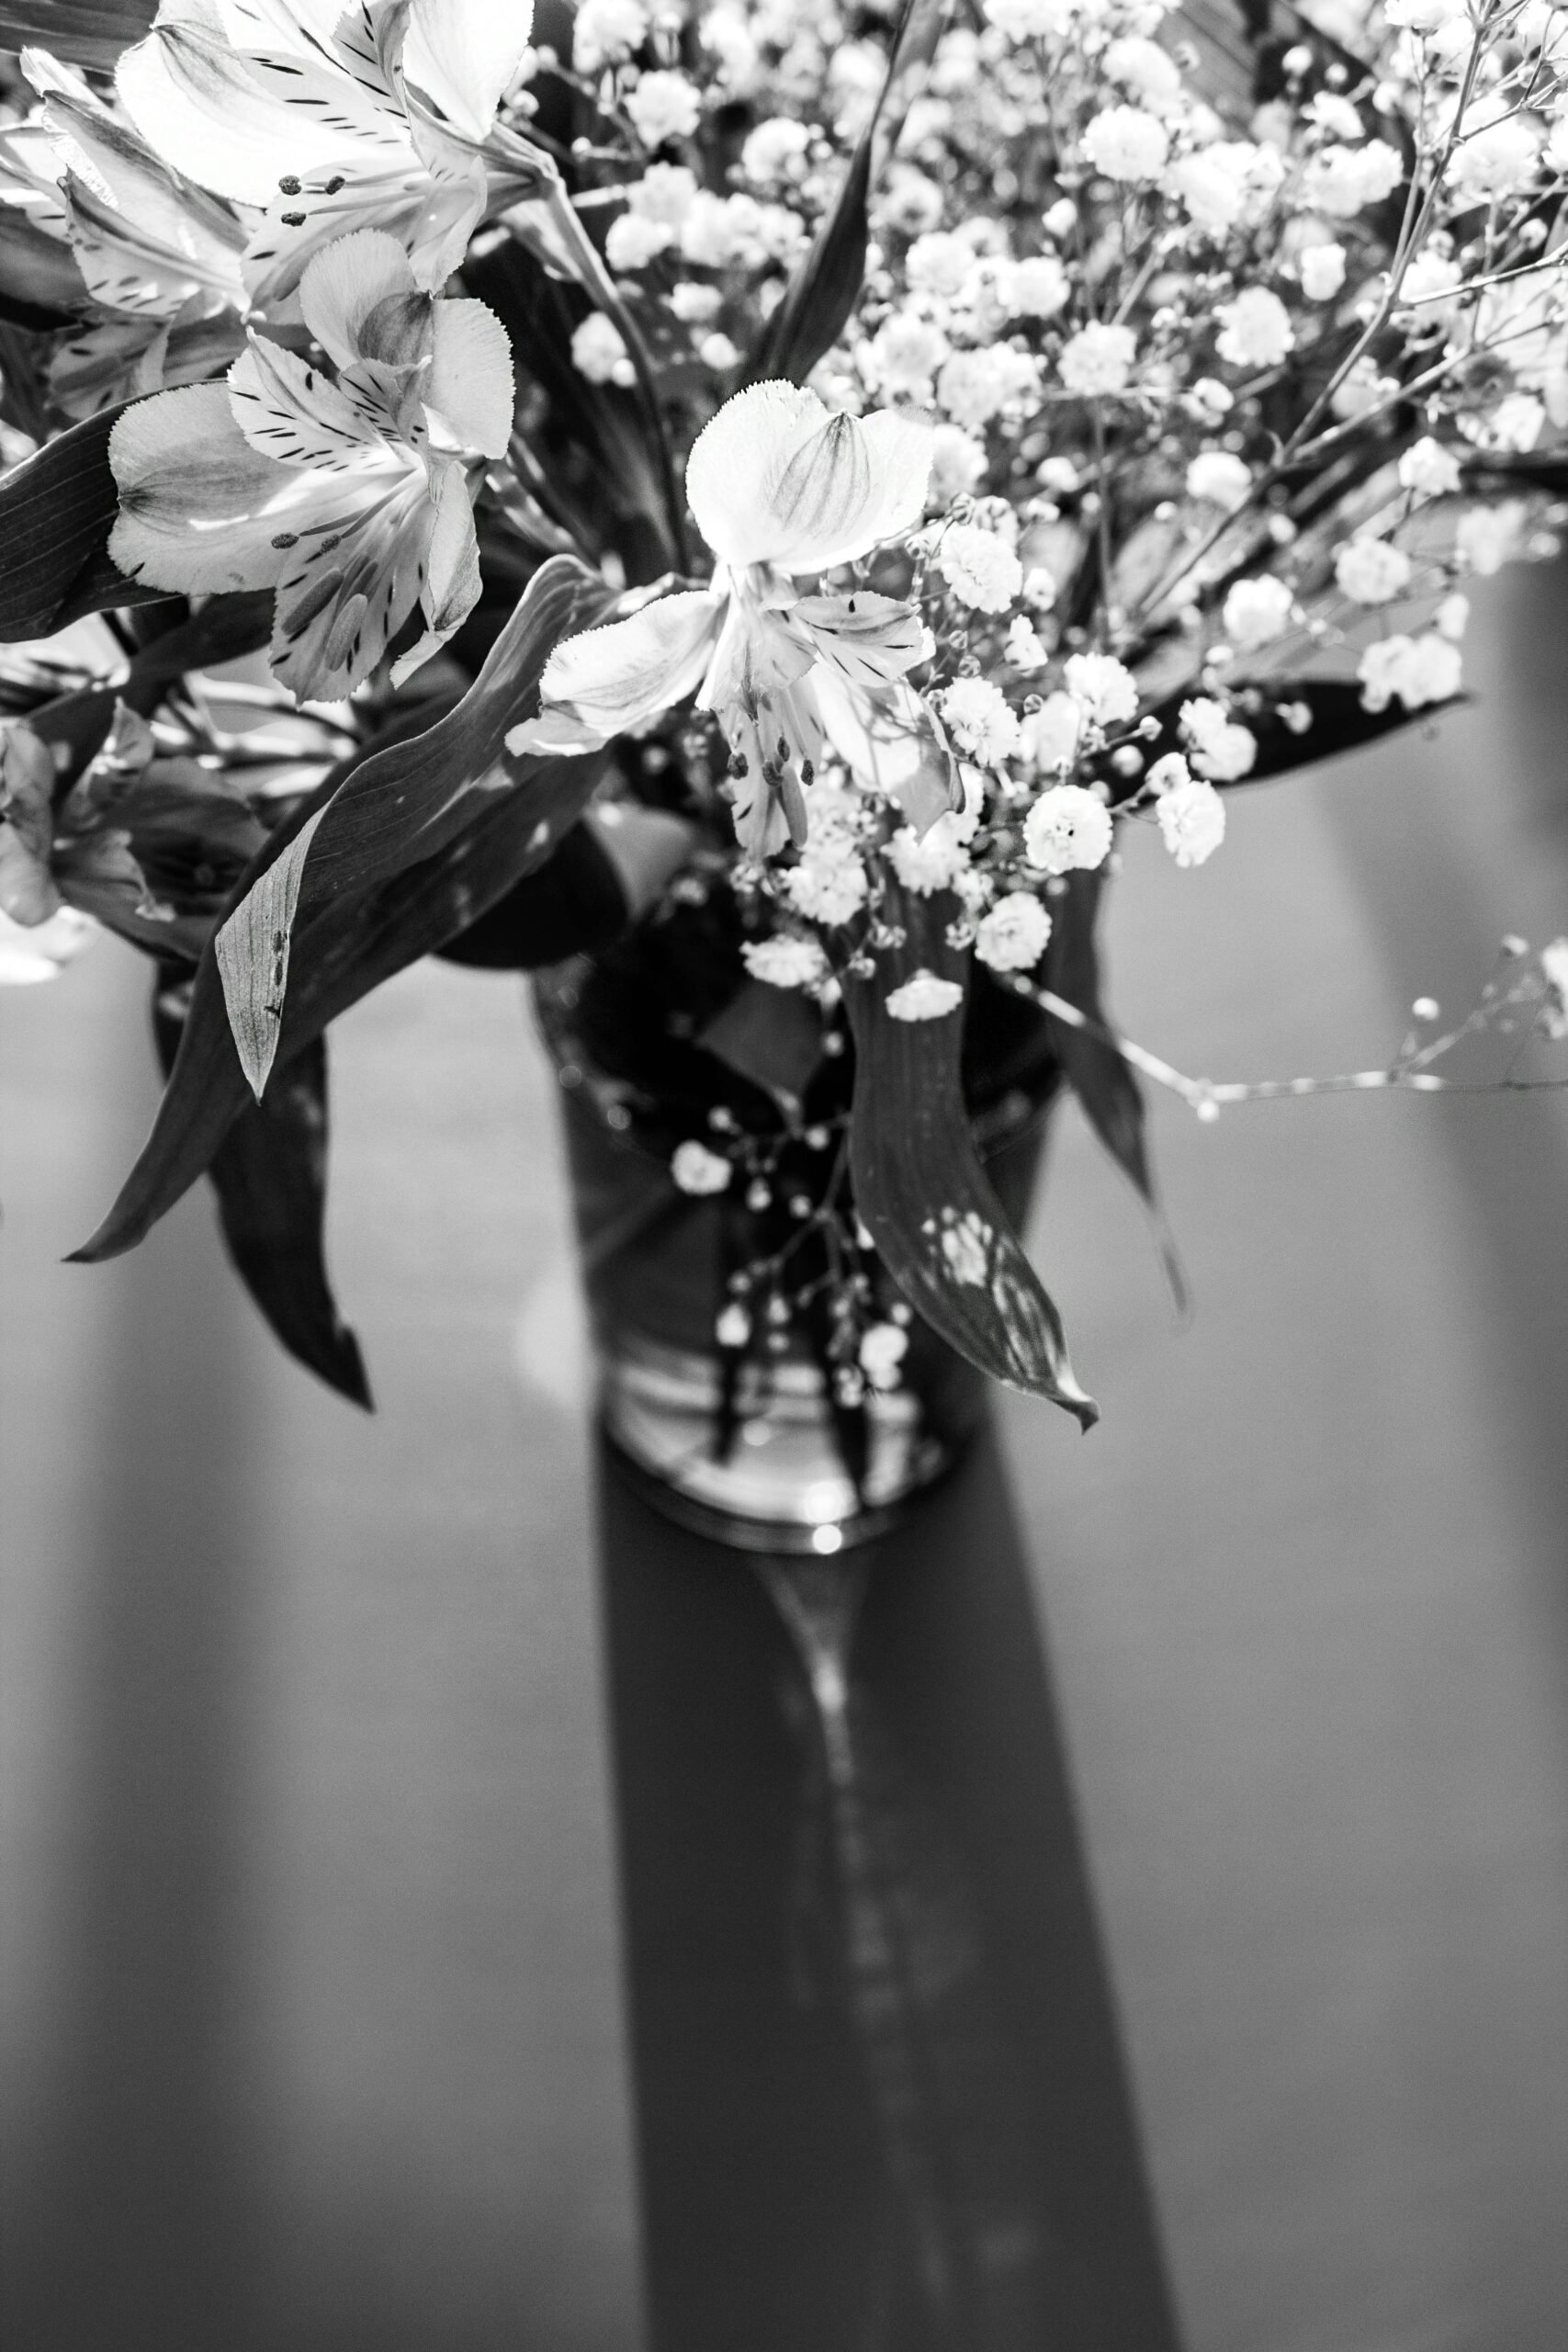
x,y
313,1937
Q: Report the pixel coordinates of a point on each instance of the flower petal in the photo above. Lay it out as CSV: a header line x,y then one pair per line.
x,y
237,124
736,461
606,682
350,592
469,388
452,571
777,478
463,54
200,511
345,282
871,640
293,414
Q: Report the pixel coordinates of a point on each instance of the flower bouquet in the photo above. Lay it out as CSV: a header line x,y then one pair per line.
x,y
730,507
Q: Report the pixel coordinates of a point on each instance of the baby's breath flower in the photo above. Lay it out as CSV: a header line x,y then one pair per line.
x,y
1222,747
1191,817
1257,612
980,720
1427,468
981,568
1127,144
1068,827
1099,359
599,352
1106,687
1255,329
1219,478
924,997
663,106
605,31
1418,671
1051,734
1012,937
1323,271
788,960
1370,572
697,1170
827,886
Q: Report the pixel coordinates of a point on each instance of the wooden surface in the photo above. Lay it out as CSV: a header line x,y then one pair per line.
x,y
315,2009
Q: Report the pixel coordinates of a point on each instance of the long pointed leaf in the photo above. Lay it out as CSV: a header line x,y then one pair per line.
x,y
919,1187
415,844
89,32
57,509
270,1174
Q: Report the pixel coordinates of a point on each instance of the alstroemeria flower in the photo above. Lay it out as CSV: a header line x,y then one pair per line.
x,y
335,118
352,497
160,257
781,488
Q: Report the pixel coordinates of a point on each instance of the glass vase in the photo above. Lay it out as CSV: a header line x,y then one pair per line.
x,y
752,1450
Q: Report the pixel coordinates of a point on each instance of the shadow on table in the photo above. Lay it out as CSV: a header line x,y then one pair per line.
x,y
882,2107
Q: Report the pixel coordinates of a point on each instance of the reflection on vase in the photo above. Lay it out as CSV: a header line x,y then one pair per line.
x,y
881,2104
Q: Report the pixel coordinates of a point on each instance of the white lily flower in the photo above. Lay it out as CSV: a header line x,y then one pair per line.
x,y
335,118
351,497
781,488
159,255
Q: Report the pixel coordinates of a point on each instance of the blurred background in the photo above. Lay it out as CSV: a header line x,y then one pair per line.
x,y
326,1992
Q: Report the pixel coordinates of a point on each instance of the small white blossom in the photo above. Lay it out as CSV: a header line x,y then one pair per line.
x,y
693,304
1106,687
1219,478
905,353
1191,817
1452,617
775,151
1051,733
882,1349
1257,612
981,569
632,241
605,31
958,463
976,386
598,352
1370,572
663,106
925,997
697,1170
1255,329
980,720
1025,648
1488,536
1222,747
1341,181
1014,935
1499,161
1430,276
1322,272
1430,470
1067,827
1036,287
1127,144
940,263
1098,359
827,889
785,961
732,1326
929,862
1419,671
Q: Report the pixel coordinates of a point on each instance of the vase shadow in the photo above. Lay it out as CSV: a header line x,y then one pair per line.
x,y
882,2105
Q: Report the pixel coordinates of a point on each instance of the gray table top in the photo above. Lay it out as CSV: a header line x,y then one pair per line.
x,y
311,1931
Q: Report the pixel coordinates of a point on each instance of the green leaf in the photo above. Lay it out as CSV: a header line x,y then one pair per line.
x,y
771,1036
270,1174
57,509
252,951
918,1185
88,32
1336,722
816,309
1099,1075
416,841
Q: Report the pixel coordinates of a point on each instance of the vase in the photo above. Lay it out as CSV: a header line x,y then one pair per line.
x,y
754,1446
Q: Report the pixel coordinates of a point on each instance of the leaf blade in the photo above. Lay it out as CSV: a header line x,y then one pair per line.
x,y
919,1184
